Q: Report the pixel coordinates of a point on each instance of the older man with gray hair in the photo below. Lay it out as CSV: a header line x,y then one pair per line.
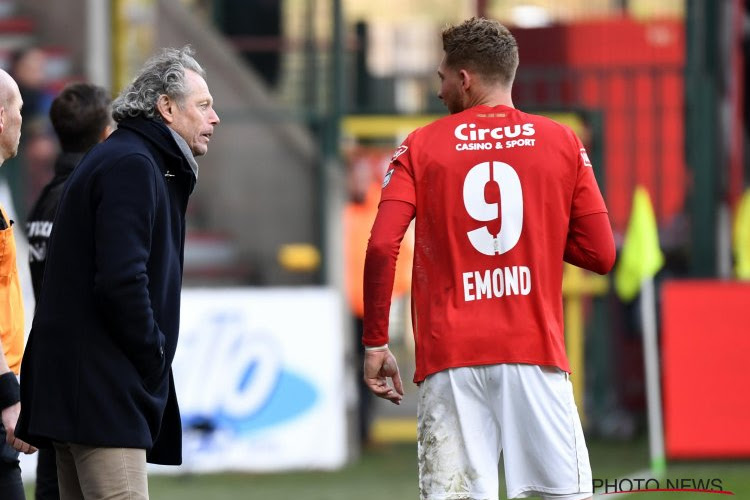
x,y
97,382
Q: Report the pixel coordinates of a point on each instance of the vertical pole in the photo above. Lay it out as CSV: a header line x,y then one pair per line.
x,y
578,285
337,81
98,44
133,27
701,133
331,173
653,378
118,25
333,189
310,80
574,336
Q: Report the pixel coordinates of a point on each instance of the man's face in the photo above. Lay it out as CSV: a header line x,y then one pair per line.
x,y
194,119
451,91
11,118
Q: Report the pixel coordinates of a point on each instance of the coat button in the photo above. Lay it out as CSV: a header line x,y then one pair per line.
x,y
161,351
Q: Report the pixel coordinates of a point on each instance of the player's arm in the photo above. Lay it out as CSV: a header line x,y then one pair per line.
x,y
590,243
390,225
388,230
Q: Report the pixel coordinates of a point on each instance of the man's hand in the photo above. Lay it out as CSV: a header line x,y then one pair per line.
x,y
10,418
379,366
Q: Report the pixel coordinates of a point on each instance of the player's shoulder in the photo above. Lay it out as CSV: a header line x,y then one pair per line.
x,y
545,122
553,130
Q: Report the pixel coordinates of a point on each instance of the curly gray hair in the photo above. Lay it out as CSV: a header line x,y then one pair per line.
x,y
164,73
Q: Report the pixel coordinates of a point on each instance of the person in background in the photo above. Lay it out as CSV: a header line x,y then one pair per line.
x,y
11,308
501,199
98,382
29,69
81,117
365,173
38,147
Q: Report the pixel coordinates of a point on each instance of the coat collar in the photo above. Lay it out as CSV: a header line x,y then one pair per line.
x,y
158,135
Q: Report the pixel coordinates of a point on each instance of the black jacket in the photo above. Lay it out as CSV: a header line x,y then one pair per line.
x,y
39,225
97,366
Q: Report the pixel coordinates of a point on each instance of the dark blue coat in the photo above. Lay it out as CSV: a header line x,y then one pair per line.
x,y
97,365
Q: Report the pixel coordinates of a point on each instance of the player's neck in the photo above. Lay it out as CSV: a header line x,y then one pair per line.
x,y
491,98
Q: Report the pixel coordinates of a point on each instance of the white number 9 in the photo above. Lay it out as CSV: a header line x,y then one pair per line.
x,y
511,207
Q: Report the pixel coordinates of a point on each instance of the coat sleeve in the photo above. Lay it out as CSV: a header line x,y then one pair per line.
x,y
125,198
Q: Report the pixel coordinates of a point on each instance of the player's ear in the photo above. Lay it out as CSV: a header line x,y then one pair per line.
x,y
466,79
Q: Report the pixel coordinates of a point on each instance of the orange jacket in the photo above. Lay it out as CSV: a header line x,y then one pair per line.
x,y
11,299
358,219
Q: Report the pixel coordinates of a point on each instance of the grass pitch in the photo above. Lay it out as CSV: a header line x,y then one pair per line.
x,y
389,472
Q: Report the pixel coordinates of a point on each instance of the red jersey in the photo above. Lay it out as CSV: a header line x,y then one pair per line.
x,y
494,190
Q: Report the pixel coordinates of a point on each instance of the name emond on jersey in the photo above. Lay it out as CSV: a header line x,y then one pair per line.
x,y
496,283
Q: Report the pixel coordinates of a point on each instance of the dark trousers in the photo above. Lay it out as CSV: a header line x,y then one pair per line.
x,y
11,484
46,475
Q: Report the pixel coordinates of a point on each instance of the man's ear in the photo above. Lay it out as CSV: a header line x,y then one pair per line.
x,y
466,79
2,119
165,107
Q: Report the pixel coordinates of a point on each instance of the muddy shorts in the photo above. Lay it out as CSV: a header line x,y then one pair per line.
x,y
468,417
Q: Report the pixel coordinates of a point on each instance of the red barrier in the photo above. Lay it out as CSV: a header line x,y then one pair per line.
x,y
706,369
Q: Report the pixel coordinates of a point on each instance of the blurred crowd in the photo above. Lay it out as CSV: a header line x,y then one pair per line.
x,y
38,148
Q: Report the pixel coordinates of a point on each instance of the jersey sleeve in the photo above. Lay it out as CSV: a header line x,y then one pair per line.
x,y
399,182
388,230
590,243
587,199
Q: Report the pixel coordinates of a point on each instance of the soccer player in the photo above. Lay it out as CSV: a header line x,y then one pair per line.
x,y
501,199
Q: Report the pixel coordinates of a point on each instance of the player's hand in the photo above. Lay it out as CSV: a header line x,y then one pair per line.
x,y
379,367
10,418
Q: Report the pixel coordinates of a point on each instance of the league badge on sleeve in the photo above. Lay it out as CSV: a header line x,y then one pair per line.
x,y
388,175
585,157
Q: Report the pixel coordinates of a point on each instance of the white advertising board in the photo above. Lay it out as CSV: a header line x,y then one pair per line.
x,y
259,376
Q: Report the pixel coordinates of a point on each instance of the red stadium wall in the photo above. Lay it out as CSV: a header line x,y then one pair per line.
x,y
633,73
705,348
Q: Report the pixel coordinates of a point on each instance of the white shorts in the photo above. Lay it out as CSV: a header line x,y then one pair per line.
x,y
468,416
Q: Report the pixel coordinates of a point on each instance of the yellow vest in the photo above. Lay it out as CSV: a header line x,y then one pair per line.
x,y
11,299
